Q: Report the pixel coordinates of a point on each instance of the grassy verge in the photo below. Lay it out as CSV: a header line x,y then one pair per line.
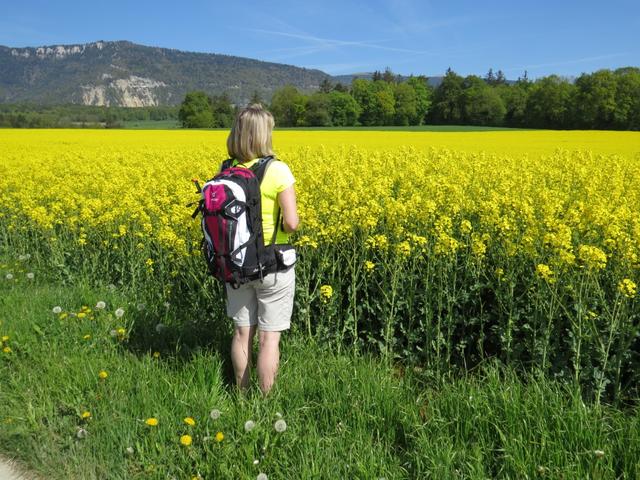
x,y
346,416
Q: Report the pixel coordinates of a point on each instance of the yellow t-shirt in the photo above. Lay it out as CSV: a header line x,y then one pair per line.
x,y
277,178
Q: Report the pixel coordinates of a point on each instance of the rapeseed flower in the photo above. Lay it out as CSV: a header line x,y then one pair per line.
x,y
628,288
326,292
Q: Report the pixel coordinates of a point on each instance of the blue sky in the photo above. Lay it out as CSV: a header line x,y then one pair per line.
x,y
338,37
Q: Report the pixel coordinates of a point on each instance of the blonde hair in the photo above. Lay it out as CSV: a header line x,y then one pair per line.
x,y
250,136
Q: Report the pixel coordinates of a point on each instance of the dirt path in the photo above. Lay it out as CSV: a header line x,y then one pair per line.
x,y
10,471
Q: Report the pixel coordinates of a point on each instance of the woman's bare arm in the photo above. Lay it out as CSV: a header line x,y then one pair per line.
x,y
287,201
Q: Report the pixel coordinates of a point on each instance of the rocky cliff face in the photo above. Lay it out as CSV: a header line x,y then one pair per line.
x,y
126,74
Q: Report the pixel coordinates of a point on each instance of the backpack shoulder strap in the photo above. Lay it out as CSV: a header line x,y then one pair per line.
x,y
259,168
226,164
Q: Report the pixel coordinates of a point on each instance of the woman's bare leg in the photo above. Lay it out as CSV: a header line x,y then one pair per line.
x,y
268,359
241,354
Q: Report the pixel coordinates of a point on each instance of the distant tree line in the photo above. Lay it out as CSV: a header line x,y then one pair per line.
x,y
27,115
601,100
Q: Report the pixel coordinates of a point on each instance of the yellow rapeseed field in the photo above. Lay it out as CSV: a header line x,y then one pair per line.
x,y
440,247
457,191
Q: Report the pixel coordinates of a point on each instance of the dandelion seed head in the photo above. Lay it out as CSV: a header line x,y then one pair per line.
x,y
81,433
262,476
598,453
57,310
249,425
140,307
101,305
30,275
280,426
9,276
129,450
120,312
160,327
215,414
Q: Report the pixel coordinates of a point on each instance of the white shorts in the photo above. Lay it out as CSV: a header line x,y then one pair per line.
x,y
268,304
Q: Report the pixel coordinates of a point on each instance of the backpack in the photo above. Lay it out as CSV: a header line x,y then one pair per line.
x,y
231,219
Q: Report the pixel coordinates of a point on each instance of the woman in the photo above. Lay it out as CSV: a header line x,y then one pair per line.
x,y
265,305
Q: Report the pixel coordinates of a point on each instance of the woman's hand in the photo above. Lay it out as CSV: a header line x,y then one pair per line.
x,y
287,201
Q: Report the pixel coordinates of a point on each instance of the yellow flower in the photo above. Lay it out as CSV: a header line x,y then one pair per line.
x,y
186,440
156,354
103,374
369,266
87,337
121,332
545,272
219,437
190,421
5,338
6,349
85,415
326,292
81,315
151,421
592,257
628,288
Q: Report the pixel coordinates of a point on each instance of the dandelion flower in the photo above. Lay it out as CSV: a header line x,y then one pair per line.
x,y
121,332
215,414
249,425
85,415
81,315
5,338
186,440
81,433
151,421
57,310
120,312
87,337
190,421
6,350
30,275
219,437
280,426
103,374
101,305
156,354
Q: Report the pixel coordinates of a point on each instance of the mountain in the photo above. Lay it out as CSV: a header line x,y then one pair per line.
x,y
127,74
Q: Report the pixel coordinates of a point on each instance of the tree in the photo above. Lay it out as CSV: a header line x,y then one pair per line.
x,y
384,106
388,76
325,85
627,113
500,78
288,106
447,100
490,78
363,93
549,103
343,109
256,99
223,112
195,111
595,102
338,87
514,98
481,104
317,110
423,98
405,104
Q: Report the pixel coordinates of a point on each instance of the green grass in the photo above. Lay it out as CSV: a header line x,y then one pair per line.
x,y
347,415
151,124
